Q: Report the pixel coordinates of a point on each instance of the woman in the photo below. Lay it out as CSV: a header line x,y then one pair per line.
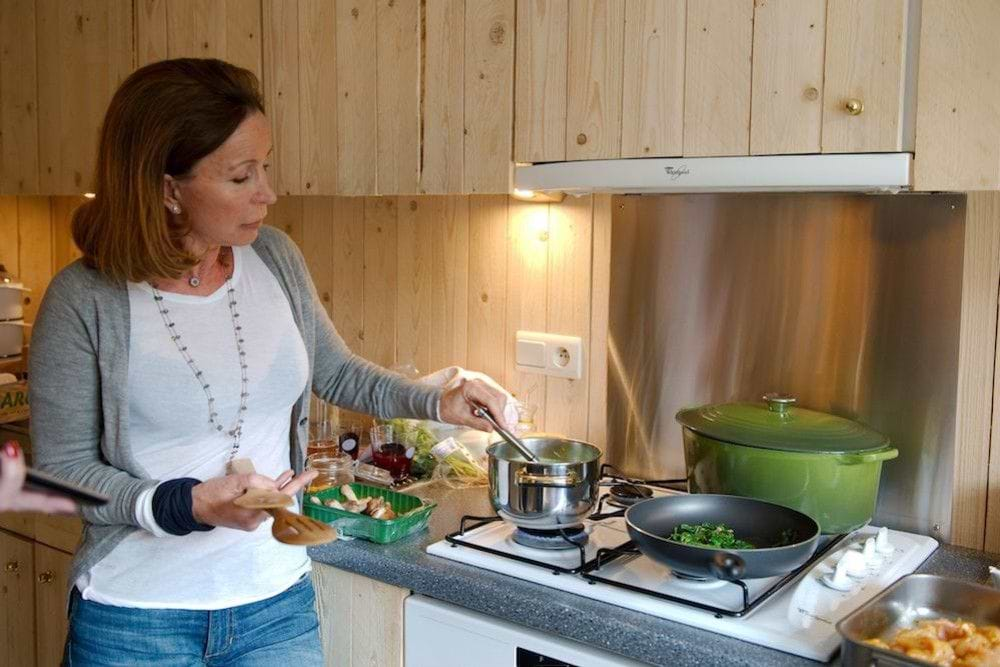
x,y
188,337
14,497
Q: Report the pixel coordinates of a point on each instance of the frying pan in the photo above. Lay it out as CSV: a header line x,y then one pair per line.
x,y
785,538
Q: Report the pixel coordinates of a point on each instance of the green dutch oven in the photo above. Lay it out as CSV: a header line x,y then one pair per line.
x,y
825,466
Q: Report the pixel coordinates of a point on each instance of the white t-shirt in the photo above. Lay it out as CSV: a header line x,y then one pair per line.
x,y
171,437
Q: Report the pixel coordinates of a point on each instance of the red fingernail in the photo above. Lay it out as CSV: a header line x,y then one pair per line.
x,y
11,449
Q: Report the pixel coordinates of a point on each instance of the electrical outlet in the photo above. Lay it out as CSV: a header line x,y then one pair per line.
x,y
549,354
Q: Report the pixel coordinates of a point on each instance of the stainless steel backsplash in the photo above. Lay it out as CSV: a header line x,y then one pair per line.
x,y
849,302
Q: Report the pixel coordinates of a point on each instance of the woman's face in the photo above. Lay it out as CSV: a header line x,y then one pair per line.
x,y
225,197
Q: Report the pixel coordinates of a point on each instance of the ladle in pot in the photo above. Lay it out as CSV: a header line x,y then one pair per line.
x,y
483,412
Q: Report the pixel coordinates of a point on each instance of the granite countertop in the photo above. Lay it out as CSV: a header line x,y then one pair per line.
x,y
632,634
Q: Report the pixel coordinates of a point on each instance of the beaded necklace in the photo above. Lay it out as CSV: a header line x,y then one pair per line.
x,y
236,432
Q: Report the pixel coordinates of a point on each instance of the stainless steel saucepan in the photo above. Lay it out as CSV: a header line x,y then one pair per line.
x,y
557,491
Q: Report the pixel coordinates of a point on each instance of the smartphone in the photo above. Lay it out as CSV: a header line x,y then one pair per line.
x,y
40,481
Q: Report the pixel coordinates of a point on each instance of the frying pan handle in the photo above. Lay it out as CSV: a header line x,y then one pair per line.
x,y
727,566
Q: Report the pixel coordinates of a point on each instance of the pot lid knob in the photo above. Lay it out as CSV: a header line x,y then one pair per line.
x,y
779,402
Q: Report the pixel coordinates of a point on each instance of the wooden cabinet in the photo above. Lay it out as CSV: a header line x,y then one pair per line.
x,y
867,99
360,619
35,581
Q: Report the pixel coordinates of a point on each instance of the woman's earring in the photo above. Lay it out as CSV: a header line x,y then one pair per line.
x,y
175,209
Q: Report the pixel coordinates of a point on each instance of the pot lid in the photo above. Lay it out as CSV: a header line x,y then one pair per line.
x,y
776,424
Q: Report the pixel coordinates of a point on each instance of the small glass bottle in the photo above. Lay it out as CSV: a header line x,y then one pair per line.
x,y
333,471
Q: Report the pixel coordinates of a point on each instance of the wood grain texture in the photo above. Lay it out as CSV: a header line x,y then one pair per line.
x,y
416,222
489,94
487,284
317,245
653,78
17,599
84,52
59,532
442,114
51,623
865,60
378,642
8,234
348,259
717,81
318,97
398,92
972,517
21,523
958,127
450,283
35,251
569,286
594,79
150,31
281,93
286,215
64,251
600,295
335,607
788,45
244,38
196,28
527,299
540,98
380,280
356,94
18,99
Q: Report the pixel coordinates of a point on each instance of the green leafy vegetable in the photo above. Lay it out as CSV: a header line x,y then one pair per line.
x,y
716,535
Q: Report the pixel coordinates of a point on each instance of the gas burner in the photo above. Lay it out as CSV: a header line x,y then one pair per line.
x,y
566,538
626,494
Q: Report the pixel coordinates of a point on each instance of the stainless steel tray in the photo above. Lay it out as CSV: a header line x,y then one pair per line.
x,y
916,597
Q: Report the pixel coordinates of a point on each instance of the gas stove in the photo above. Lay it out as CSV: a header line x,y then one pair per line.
x,y
796,613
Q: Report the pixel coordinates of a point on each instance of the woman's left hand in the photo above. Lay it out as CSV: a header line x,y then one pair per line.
x,y
456,405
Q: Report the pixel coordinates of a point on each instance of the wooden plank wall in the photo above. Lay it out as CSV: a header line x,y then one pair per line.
x,y
433,281
35,242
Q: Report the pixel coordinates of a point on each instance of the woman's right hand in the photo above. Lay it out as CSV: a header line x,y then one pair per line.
x,y
212,500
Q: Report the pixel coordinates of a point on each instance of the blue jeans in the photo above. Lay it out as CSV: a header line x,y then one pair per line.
x,y
282,630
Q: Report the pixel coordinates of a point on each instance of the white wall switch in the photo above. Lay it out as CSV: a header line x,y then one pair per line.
x,y
549,354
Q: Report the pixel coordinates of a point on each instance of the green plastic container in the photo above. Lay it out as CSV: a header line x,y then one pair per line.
x,y
409,521
820,464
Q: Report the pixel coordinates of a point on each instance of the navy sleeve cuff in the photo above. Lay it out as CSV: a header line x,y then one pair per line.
x,y
172,507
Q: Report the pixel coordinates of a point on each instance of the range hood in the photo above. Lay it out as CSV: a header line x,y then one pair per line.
x,y
851,172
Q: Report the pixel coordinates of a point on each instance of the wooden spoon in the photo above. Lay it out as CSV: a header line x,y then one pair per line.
x,y
288,527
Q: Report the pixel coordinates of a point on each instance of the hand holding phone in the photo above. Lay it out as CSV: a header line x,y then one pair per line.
x,y
26,490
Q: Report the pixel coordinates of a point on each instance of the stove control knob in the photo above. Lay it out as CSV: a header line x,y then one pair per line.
x,y
882,543
840,580
873,559
854,564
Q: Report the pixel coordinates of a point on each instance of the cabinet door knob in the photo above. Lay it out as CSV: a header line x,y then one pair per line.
x,y
581,138
854,107
45,578
12,566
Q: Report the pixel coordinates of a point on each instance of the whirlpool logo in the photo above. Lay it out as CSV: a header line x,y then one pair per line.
x,y
673,173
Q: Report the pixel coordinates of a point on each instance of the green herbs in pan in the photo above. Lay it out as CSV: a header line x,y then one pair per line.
x,y
716,535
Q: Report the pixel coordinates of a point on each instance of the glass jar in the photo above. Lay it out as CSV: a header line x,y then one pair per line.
x,y
333,470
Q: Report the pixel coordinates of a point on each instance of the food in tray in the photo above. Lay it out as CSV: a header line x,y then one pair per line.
x,y
950,643
373,506
717,535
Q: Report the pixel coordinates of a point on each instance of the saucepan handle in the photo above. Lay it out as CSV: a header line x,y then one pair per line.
x,y
727,566
566,481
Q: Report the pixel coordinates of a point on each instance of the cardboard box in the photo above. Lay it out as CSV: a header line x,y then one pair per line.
x,y
14,402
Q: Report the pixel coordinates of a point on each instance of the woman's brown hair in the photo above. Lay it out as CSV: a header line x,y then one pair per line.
x,y
162,119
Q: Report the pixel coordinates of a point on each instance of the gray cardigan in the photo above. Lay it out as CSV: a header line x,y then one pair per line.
x,y
78,384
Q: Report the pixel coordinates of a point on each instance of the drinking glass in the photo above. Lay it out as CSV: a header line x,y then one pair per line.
x,y
389,452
